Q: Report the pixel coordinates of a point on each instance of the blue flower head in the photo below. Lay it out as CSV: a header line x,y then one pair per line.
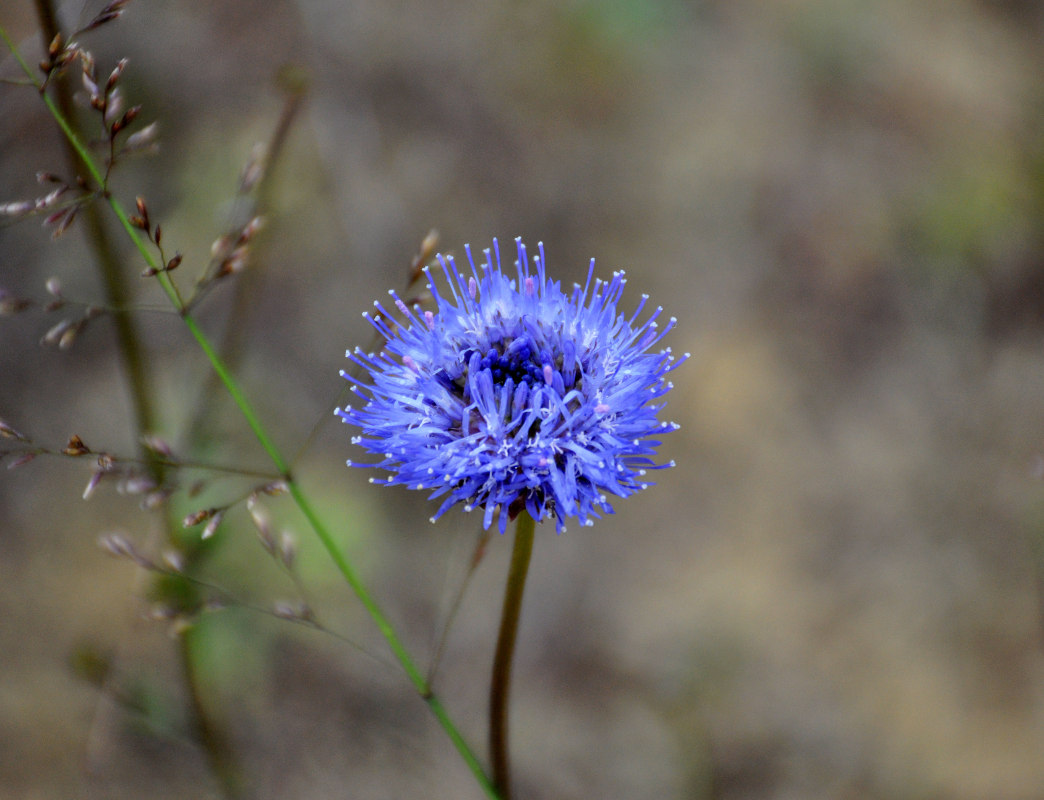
x,y
512,394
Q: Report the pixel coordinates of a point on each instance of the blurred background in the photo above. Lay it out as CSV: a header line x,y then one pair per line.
x,y
836,593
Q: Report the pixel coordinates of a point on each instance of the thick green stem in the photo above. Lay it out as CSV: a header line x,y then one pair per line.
x,y
500,686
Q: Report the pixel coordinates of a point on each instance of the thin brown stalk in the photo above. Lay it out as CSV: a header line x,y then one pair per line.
x,y
237,319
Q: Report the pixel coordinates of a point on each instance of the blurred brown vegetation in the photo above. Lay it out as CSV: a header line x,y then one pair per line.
x,y
836,592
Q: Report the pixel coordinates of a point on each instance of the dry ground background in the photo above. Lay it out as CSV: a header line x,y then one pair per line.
x,y
836,594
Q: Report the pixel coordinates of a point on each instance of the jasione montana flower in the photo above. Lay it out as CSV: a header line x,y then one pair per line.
x,y
512,394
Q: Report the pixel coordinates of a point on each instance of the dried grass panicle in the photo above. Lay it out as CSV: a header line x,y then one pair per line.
x,y
230,252
107,99
61,203
59,56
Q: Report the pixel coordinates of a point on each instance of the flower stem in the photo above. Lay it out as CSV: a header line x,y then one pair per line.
x,y
501,683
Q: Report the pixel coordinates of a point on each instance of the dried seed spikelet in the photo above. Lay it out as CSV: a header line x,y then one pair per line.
x,y
197,517
107,14
58,56
113,108
114,76
100,20
212,526
7,432
53,218
139,140
235,262
157,445
295,612
120,546
18,208
174,559
263,523
287,549
252,228
141,219
22,460
135,484
424,255
116,544
76,447
156,498
129,116
220,245
49,199
274,489
284,610
254,169
65,341
12,303
54,335
65,219
89,83
92,484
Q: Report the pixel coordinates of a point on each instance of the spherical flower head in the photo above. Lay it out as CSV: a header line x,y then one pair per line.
x,y
512,394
